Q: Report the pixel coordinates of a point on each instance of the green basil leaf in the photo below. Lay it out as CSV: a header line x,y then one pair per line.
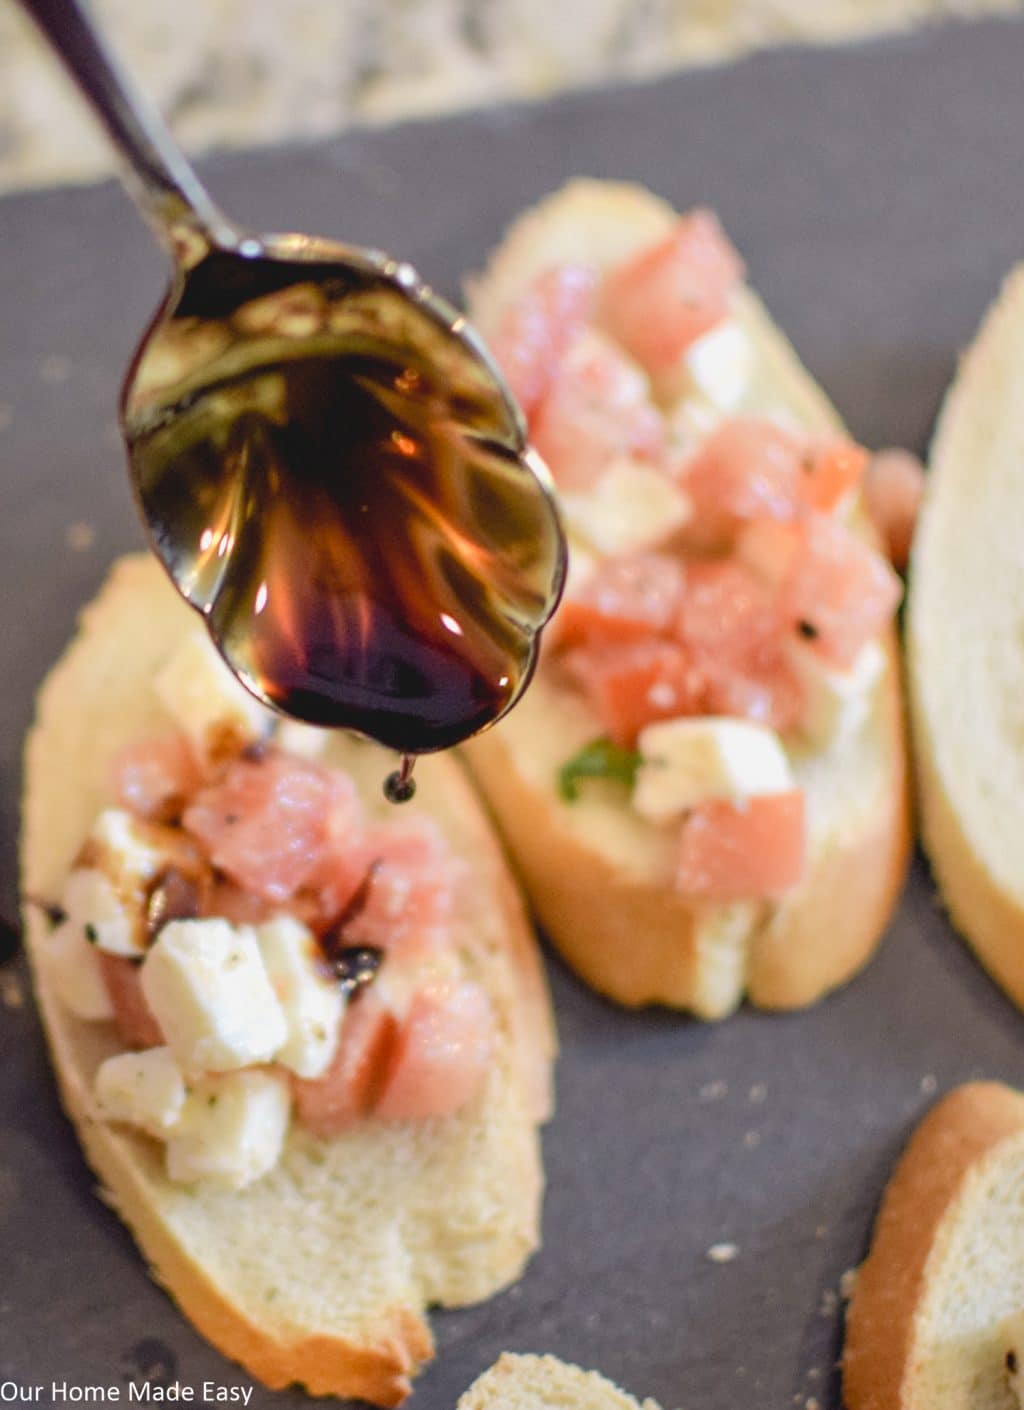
x,y
598,759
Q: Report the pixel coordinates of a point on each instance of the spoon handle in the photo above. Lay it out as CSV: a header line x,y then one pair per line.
x,y
158,176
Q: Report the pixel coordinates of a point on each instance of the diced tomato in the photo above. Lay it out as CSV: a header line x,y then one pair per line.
x,y
733,624
597,410
537,330
267,823
348,1089
631,686
442,1053
747,469
624,599
134,1018
413,889
842,593
769,547
893,489
743,850
830,471
663,299
154,778
237,905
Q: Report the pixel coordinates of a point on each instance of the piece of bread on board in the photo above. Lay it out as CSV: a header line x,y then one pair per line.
x,y
925,1329
545,1383
595,871
320,1272
965,645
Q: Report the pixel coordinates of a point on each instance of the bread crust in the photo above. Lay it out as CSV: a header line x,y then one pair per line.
x,y
629,935
980,905
960,1132
821,940
378,1364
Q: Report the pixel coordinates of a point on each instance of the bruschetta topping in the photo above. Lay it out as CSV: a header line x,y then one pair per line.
x,y
269,947
719,579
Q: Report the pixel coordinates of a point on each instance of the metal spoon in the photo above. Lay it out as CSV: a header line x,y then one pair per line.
x,y
326,458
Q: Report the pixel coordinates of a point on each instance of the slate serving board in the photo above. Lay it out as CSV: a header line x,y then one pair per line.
x,y
877,195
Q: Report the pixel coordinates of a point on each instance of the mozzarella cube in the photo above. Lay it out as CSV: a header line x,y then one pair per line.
x,y
304,741
145,1089
208,704
208,989
91,902
124,850
311,998
232,1129
683,762
631,508
74,971
836,703
718,366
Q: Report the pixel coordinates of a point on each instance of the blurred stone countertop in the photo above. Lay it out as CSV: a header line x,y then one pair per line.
x,y
233,73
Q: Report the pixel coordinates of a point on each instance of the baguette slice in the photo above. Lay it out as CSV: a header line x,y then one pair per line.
x,y
965,641
597,874
926,1327
321,1271
545,1383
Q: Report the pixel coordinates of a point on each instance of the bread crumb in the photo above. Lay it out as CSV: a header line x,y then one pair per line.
x,y
714,1091
829,1304
813,1374
55,368
847,1283
929,1084
722,1253
752,1139
80,537
10,992
811,1403
758,1092
821,1231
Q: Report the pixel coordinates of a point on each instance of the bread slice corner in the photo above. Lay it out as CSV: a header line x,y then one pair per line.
x,y
517,1382
925,1328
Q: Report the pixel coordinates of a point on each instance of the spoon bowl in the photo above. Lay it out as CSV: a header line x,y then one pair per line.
x,y
332,472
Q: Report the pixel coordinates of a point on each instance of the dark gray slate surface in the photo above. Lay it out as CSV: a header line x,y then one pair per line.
x,y
877,195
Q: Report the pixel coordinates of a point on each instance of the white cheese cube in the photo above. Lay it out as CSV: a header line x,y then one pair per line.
x,y
124,849
92,903
718,366
631,508
73,967
683,762
231,1130
312,1000
208,704
207,986
836,703
145,1089
305,741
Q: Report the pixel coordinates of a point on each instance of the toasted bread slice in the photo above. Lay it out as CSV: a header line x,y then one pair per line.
x,y
598,874
926,1326
965,645
545,1383
321,1271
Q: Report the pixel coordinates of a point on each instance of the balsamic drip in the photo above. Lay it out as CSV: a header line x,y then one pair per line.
x,y
400,786
354,965
361,531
